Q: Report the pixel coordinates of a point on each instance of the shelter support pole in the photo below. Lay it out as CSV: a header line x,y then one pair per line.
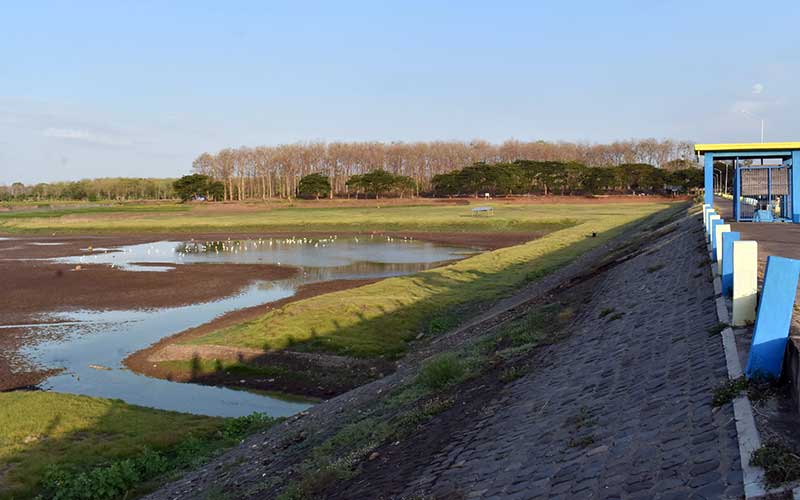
x,y
795,187
708,160
736,188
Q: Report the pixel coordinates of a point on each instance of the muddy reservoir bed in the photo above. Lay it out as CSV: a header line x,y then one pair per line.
x,y
74,308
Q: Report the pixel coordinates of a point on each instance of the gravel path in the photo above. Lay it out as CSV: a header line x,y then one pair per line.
x,y
620,409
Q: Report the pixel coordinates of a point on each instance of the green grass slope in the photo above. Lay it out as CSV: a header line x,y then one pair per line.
x,y
379,319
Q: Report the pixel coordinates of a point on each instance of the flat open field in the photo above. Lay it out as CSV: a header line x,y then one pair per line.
x,y
322,339
424,215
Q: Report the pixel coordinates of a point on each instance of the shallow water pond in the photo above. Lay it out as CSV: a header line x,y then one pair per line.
x,y
90,345
331,252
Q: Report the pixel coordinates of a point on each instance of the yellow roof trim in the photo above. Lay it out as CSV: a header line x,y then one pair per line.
x,y
746,146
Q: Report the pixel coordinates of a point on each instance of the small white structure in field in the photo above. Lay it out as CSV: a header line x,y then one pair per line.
x,y
482,210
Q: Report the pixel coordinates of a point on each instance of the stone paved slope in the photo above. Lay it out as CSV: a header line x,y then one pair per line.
x,y
620,409
260,466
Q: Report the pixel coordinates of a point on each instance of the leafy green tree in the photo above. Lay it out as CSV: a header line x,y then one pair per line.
x,y
378,182
216,191
597,179
314,186
404,184
446,184
640,177
687,178
191,186
356,183
75,191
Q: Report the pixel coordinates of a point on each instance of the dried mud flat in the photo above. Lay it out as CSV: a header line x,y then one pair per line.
x,y
33,288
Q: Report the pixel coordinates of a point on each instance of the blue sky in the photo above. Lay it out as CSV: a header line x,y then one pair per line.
x,y
141,88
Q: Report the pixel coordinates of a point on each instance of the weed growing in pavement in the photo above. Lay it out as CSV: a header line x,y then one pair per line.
x,y
336,458
780,463
762,389
216,492
716,329
581,442
442,371
582,419
518,336
728,391
422,413
759,390
511,374
605,312
655,268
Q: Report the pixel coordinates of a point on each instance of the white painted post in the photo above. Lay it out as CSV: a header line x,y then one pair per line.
x,y
745,281
711,219
706,208
721,228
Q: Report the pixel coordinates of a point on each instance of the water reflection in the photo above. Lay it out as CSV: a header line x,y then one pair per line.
x,y
91,354
331,252
90,345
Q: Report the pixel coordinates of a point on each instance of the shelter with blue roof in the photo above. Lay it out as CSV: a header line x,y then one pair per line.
x,y
765,188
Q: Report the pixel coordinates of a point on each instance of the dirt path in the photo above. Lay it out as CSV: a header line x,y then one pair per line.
x,y
241,472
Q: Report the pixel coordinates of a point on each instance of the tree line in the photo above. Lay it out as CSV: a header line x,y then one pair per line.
x,y
106,188
374,169
266,172
566,178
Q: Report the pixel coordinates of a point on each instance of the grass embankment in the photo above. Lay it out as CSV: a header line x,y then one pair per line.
x,y
379,319
457,380
68,446
184,218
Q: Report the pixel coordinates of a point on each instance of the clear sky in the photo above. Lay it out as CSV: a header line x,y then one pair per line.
x,y
141,88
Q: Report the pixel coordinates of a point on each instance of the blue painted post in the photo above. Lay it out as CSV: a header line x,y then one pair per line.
x,y
736,187
774,316
711,218
727,261
795,187
714,224
708,160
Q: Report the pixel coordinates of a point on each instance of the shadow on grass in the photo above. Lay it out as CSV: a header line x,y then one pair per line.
x,y
41,430
282,375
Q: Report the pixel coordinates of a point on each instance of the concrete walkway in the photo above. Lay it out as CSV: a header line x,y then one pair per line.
x,y
620,409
